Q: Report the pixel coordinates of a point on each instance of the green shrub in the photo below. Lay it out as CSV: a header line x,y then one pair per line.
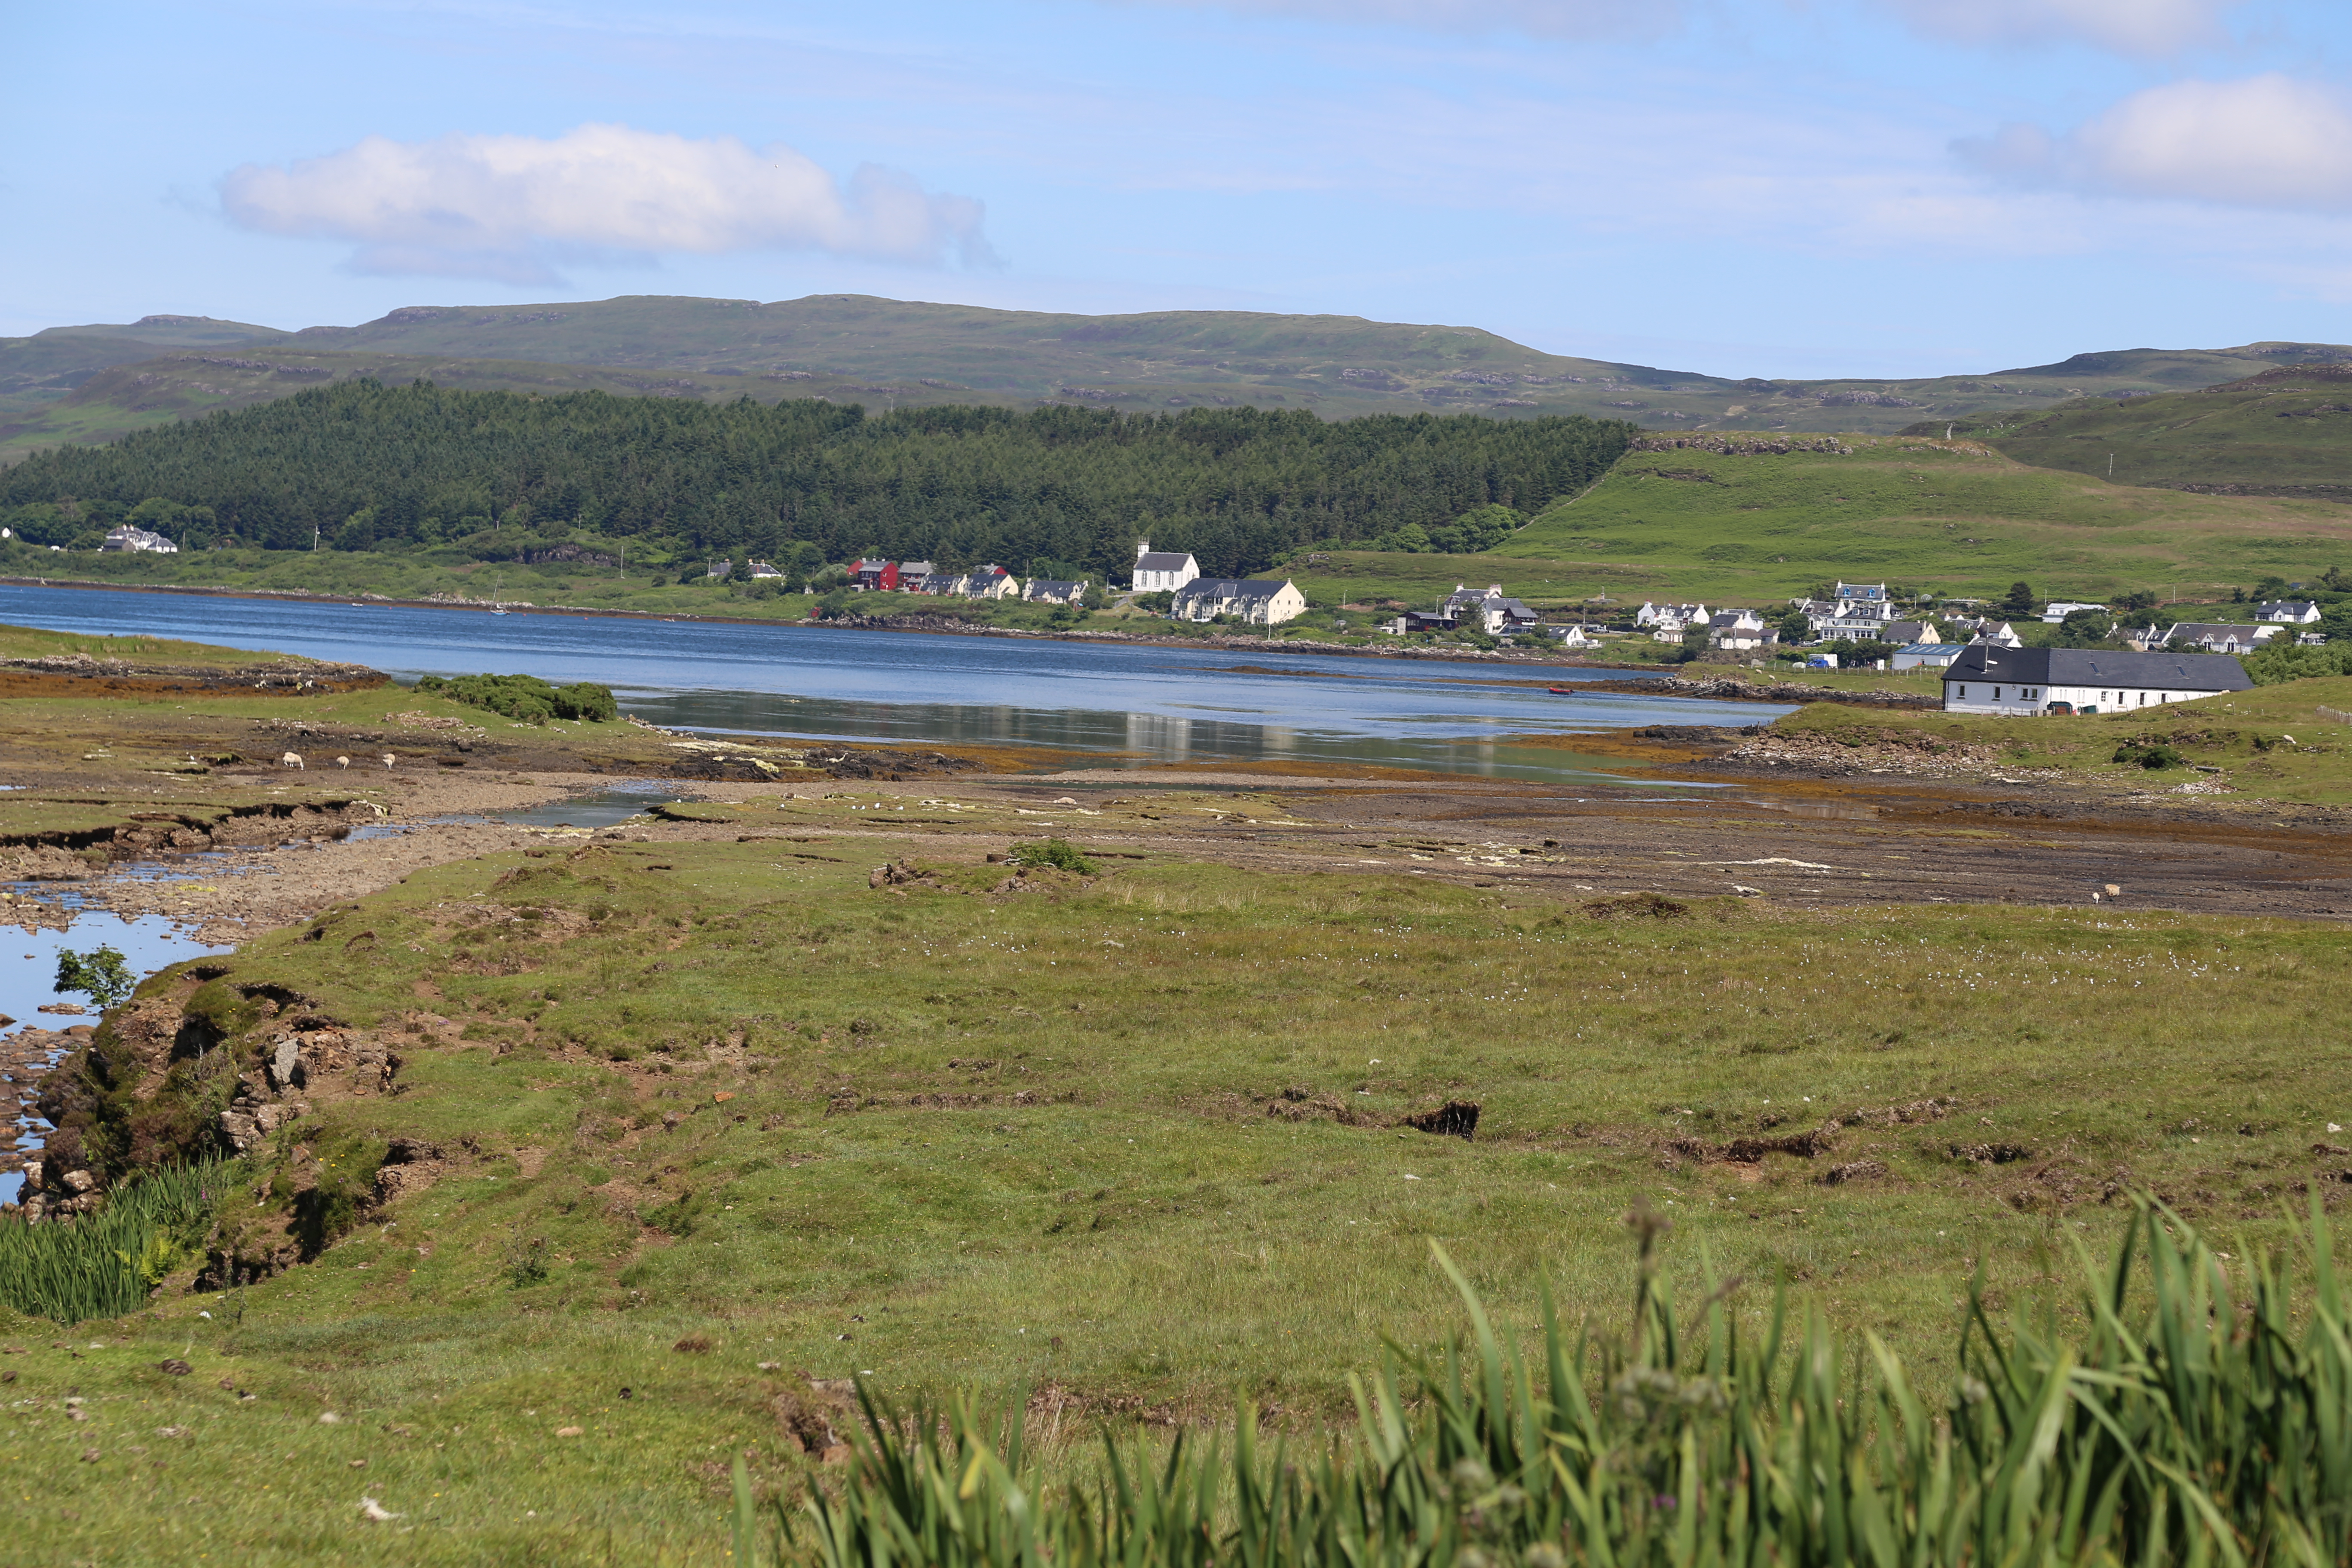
x,y
1057,853
2150,757
526,698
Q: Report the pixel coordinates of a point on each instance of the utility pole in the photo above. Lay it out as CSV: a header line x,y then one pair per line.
x,y
2111,465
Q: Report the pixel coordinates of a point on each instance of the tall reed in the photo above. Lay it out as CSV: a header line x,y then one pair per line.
x,y
2188,1421
108,1262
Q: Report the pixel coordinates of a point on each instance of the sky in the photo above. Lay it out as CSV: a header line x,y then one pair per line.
x,y
1738,187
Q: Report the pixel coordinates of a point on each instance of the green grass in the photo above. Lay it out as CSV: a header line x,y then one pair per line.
x,y
1021,1137
2273,743
1953,518
2284,429
107,1263
2173,1430
29,642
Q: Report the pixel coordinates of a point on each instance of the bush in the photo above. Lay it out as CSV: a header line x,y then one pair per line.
x,y
2151,757
526,697
1057,853
2282,659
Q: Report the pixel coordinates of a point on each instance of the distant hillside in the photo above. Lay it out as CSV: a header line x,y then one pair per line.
x,y
1757,525
886,353
2286,431
361,466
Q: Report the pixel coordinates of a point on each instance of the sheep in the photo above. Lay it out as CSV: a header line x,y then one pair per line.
x,y
342,761
289,760
387,759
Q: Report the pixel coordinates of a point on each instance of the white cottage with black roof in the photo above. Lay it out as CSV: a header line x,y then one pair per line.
x,y
1162,571
1989,678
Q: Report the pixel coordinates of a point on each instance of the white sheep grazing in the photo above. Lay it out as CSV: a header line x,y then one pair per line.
x,y
387,759
342,761
289,760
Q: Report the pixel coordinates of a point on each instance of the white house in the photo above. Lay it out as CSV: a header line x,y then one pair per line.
x,y
2001,633
2057,610
1927,655
1573,636
2293,612
1162,571
1257,601
1667,623
990,583
1489,612
127,537
1739,631
1986,679
2216,636
1050,591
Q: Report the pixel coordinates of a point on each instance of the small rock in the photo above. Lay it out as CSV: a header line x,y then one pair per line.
x,y
371,1509
358,1464
171,1431
89,1455
571,1431
175,1367
329,1418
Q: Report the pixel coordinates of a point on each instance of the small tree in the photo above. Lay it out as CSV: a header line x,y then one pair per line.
x,y
99,974
2020,600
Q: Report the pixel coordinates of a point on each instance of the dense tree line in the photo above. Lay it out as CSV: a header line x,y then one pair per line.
x,y
363,466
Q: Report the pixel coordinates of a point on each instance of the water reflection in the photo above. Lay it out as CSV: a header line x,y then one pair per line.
x,y
1118,702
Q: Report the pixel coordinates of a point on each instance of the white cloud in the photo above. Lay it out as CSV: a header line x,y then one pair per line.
x,y
509,207
2265,141
2128,26
1543,18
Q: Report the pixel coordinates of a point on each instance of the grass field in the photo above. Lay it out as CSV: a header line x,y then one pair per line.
x,y
2283,742
1955,518
1129,1141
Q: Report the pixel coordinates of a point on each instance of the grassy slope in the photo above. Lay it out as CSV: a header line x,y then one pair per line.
x,y
1135,1232
2270,743
891,353
28,642
2287,428
1952,517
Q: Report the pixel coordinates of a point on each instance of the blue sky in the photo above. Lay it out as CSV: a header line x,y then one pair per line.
x,y
1743,187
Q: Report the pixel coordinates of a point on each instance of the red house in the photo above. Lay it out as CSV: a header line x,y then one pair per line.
x,y
882,575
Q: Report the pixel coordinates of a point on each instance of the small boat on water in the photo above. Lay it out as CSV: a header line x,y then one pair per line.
x,y
1561,691
498,610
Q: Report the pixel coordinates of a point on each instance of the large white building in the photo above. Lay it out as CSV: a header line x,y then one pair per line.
x,y
1988,678
1255,601
1162,571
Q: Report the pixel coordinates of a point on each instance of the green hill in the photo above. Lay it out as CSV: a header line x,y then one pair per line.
x,y
887,354
365,466
1747,523
2286,431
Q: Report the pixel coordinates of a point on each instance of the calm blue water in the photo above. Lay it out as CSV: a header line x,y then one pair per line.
x,y
1131,706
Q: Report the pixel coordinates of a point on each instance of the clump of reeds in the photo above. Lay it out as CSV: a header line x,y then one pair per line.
x,y
2189,1421
108,1262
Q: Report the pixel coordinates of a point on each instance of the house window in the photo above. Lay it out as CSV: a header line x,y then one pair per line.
x,y
1996,694
1964,694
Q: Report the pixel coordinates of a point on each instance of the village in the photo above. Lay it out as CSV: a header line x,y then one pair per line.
x,y
2073,656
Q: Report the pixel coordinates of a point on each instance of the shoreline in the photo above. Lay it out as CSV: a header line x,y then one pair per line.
x,y
850,623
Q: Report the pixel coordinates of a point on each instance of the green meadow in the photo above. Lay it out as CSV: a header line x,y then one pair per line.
x,y
705,1119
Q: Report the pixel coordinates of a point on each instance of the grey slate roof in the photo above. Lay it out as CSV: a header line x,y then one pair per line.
x,y
1229,588
2098,667
1163,560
